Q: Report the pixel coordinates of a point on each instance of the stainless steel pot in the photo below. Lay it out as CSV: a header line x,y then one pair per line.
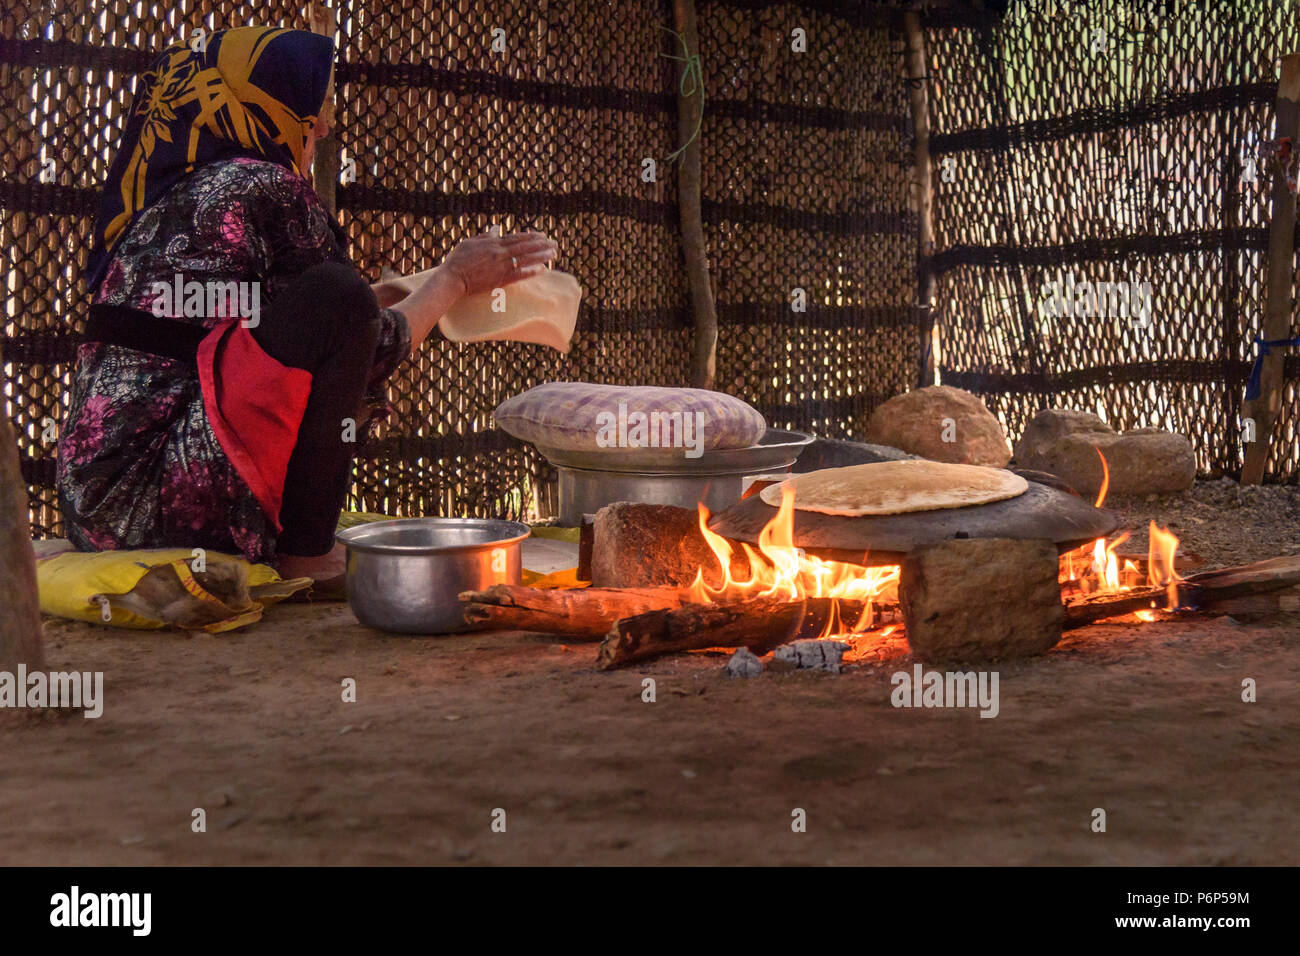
x,y
405,575
589,480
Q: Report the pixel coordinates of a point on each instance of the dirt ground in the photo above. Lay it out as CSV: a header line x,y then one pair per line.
x,y
1145,721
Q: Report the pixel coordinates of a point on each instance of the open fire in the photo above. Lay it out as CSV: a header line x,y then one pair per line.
x,y
780,569
1095,568
776,595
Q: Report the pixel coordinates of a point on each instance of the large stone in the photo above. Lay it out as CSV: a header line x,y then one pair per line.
x,y
836,453
1142,461
1051,425
640,545
943,424
981,599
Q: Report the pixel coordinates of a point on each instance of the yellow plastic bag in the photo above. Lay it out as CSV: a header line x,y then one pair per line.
x,y
152,589
568,578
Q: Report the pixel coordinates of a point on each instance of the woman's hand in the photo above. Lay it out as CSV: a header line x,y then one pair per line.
x,y
480,264
487,262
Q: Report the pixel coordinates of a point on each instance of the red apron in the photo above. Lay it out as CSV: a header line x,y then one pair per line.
x,y
255,406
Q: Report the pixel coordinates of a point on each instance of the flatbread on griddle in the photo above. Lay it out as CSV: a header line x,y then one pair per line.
x,y
897,487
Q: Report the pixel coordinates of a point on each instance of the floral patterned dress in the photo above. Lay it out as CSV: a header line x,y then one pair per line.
x,y
138,464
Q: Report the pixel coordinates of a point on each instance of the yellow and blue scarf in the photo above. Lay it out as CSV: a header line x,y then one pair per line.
x,y
250,91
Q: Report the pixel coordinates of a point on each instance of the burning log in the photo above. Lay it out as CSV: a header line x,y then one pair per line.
x,y
578,613
1227,589
759,624
1098,607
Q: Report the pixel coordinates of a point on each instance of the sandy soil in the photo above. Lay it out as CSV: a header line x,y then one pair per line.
x,y
1145,721
1220,522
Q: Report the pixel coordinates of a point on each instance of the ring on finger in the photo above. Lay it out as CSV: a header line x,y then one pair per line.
x,y
514,263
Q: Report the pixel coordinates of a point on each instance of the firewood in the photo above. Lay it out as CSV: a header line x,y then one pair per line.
x,y
1097,607
759,624
1258,578
1250,607
579,613
1209,590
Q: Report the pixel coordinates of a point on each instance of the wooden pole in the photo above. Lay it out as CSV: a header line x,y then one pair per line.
x,y
20,612
690,109
922,188
1281,277
325,168
1226,456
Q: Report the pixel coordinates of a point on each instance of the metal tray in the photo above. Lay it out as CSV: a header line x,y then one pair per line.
x,y
1041,512
777,450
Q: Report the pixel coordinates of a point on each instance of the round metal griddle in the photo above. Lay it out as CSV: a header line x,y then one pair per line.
x,y
1041,512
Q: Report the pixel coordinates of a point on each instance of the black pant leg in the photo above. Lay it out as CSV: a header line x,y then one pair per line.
x,y
327,322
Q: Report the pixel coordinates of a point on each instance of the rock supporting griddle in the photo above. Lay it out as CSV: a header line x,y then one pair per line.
x,y
969,600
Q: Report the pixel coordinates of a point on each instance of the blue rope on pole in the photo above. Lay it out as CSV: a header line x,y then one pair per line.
x,y
1264,347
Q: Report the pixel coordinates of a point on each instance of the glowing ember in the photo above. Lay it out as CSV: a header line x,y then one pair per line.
x,y
779,569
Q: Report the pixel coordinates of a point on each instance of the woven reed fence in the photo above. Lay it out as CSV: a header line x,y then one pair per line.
x,y
1118,141
804,160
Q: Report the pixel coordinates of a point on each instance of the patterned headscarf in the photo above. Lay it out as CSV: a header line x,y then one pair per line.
x,y
251,91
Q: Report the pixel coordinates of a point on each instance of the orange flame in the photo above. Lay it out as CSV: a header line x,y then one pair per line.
x,y
779,569
1105,478
1096,567
1105,564
1162,548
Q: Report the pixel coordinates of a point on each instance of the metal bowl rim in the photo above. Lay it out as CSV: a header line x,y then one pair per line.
x,y
515,531
785,442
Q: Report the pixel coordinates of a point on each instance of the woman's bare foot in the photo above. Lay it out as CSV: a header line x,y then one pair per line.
x,y
326,570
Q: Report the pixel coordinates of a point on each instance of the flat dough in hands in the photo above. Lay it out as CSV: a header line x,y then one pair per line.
x,y
897,487
542,309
